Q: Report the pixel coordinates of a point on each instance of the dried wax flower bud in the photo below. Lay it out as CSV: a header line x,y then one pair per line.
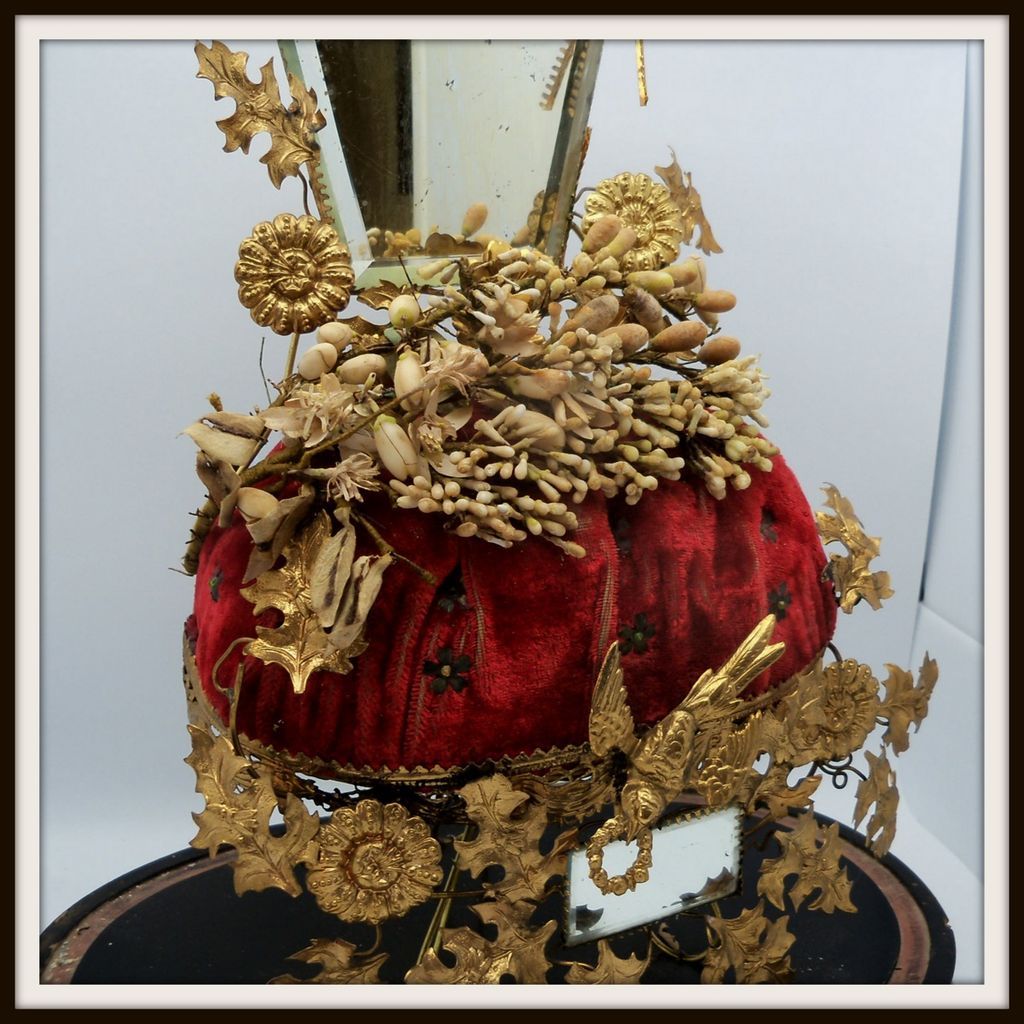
x,y
404,311
582,265
595,315
594,283
631,337
409,373
715,301
657,282
619,245
395,449
255,503
474,219
432,269
645,308
686,274
602,231
711,319
687,334
693,273
720,349
357,370
316,361
337,334
542,384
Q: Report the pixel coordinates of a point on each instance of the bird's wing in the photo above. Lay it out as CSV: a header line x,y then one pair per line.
x,y
611,721
716,694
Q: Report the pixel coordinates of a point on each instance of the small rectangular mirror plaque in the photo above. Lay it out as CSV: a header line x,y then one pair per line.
x,y
696,859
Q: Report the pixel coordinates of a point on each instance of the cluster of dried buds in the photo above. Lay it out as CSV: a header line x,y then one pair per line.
x,y
500,389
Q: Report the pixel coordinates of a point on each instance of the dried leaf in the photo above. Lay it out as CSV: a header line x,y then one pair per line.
x,y
687,198
341,965
363,587
610,969
221,483
379,296
299,644
259,109
754,948
906,704
811,853
272,534
331,571
239,802
510,826
227,437
878,789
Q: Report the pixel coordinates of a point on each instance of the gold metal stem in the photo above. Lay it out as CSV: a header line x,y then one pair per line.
x,y
292,349
641,72
432,939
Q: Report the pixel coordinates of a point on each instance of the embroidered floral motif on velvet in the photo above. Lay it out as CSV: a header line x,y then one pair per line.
x,y
633,639
448,671
779,600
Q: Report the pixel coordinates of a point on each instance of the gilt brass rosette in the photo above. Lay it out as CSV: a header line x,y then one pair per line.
x,y
375,862
294,274
646,207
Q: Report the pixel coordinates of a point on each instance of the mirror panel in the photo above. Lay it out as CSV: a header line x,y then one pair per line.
x,y
696,859
418,131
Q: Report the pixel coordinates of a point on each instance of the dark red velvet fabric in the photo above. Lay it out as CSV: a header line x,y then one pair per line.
x,y
680,579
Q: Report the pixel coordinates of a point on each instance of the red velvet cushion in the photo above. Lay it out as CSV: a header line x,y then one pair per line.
x,y
680,579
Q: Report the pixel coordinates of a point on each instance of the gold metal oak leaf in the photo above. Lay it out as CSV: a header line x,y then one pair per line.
x,y
258,108
340,965
754,948
906,704
509,829
687,198
300,644
775,794
240,799
517,952
851,573
812,853
878,789
610,969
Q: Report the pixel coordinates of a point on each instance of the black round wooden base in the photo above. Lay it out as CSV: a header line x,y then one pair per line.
x,y
178,921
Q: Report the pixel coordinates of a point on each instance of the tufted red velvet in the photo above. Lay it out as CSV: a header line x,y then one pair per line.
x,y
679,578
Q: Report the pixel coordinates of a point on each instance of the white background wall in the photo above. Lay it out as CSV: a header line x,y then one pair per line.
x,y
831,173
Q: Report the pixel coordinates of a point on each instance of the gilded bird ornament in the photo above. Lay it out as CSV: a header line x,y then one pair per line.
x,y
658,761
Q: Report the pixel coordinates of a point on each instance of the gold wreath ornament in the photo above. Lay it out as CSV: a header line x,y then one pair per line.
x,y
293,273
375,862
646,207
